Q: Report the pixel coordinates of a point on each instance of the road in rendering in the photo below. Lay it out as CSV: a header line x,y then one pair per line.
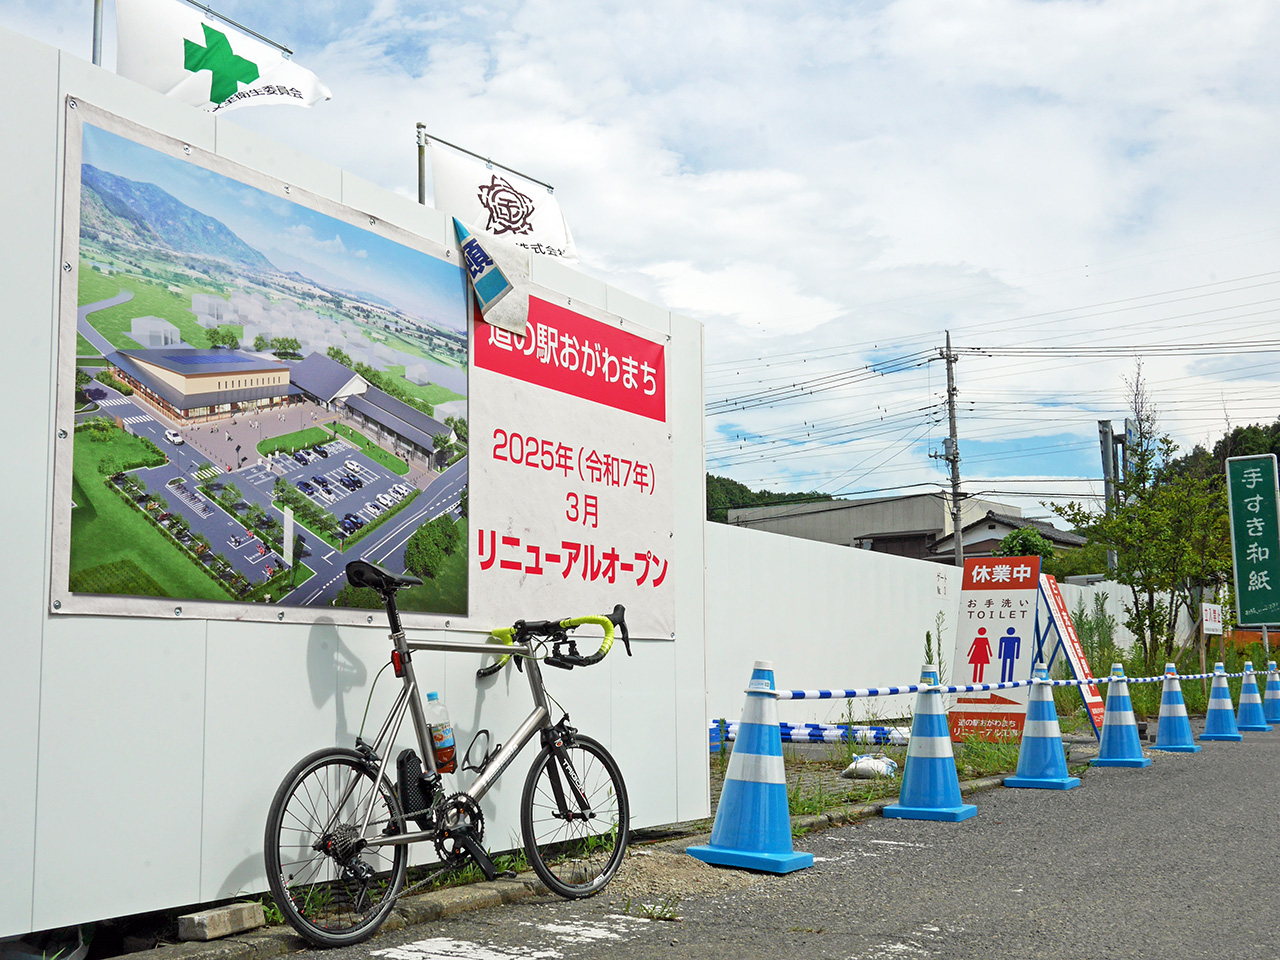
x,y
1177,861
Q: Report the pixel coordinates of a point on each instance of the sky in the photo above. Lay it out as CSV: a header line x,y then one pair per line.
x,y
1069,188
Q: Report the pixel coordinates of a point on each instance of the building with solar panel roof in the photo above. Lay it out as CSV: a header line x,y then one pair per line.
x,y
195,384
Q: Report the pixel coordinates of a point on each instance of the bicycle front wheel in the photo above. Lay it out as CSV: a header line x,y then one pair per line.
x,y
575,847
332,889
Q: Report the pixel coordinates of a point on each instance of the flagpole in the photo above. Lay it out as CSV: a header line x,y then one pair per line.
x,y
422,164
423,140
97,33
209,11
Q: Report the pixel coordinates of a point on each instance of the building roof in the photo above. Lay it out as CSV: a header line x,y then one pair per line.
x,y
398,417
194,361
123,360
1059,538
325,378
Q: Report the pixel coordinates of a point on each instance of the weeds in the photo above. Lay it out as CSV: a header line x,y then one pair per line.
x,y
985,758
664,909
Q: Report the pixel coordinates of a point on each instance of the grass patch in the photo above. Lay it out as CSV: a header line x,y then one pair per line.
x,y
86,350
371,449
289,442
150,299
447,593
432,393
986,758
106,530
121,576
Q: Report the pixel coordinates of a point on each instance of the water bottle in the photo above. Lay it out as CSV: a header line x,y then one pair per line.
x,y
441,733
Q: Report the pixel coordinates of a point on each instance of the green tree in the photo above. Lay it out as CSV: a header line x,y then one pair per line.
x,y
223,337
724,494
459,425
1168,529
462,503
289,345
1025,542
338,354
261,343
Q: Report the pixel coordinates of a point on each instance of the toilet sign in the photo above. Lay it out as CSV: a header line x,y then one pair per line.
x,y
995,643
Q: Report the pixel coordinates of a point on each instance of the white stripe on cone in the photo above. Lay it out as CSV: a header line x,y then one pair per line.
x,y
755,768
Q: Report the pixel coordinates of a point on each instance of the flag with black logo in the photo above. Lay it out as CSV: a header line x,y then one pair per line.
x,y
499,202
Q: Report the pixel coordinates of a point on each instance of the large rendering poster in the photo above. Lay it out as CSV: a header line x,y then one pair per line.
x,y
264,387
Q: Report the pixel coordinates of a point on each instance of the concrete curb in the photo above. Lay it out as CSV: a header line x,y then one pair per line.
x,y
438,904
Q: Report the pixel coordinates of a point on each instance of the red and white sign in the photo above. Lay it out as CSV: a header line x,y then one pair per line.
x,y
1075,653
995,643
1211,617
569,353
571,472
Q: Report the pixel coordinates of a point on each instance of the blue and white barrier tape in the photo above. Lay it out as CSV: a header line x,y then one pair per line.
x,y
823,733
983,687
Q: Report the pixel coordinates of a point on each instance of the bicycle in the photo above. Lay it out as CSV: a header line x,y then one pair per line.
x,y
339,826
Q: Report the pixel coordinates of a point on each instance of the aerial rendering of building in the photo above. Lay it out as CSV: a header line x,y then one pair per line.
x,y
195,384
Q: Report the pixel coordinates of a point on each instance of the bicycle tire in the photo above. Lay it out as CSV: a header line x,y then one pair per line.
x,y
575,858
332,902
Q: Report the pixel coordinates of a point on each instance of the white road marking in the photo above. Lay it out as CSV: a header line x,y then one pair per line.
x,y
441,948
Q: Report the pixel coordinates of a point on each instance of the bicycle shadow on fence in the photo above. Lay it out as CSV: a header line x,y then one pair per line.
x,y
333,670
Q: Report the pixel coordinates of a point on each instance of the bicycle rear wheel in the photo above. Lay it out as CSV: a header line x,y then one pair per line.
x,y
329,888
575,853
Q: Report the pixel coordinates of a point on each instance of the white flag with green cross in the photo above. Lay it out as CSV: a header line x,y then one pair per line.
x,y
183,52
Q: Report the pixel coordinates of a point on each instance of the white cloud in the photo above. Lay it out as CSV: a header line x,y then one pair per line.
x,y
806,176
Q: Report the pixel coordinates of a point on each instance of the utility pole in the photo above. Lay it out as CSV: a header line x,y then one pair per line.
x,y
951,453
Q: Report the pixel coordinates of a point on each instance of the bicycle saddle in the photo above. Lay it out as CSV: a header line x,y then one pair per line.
x,y
362,573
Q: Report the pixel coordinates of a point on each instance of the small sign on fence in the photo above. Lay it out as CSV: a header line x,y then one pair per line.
x,y
1211,619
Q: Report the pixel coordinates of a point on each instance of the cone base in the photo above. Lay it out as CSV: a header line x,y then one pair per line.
x,y
1043,783
949,814
1232,737
751,860
1179,748
1123,762
1272,719
1255,727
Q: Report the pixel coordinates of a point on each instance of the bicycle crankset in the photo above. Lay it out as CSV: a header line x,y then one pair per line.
x,y
458,816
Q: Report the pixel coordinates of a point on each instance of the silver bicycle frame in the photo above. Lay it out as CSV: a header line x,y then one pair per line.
x,y
409,700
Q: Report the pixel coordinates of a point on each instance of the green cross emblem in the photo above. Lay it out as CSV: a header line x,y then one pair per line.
x,y
216,57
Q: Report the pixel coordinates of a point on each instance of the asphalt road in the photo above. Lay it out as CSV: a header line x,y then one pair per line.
x,y
1174,861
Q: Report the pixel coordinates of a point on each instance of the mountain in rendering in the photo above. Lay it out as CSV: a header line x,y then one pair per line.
x,y
116,208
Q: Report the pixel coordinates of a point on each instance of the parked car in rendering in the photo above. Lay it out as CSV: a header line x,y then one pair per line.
x,y
385,500
352,466
301,457
373,509
324,454
403,489
358,521
306,488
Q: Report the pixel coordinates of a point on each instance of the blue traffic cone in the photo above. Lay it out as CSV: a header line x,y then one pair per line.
x,y
1271,696
753,823
1119,745
1250,715
1041,760
1220,719
1174,731
930,784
